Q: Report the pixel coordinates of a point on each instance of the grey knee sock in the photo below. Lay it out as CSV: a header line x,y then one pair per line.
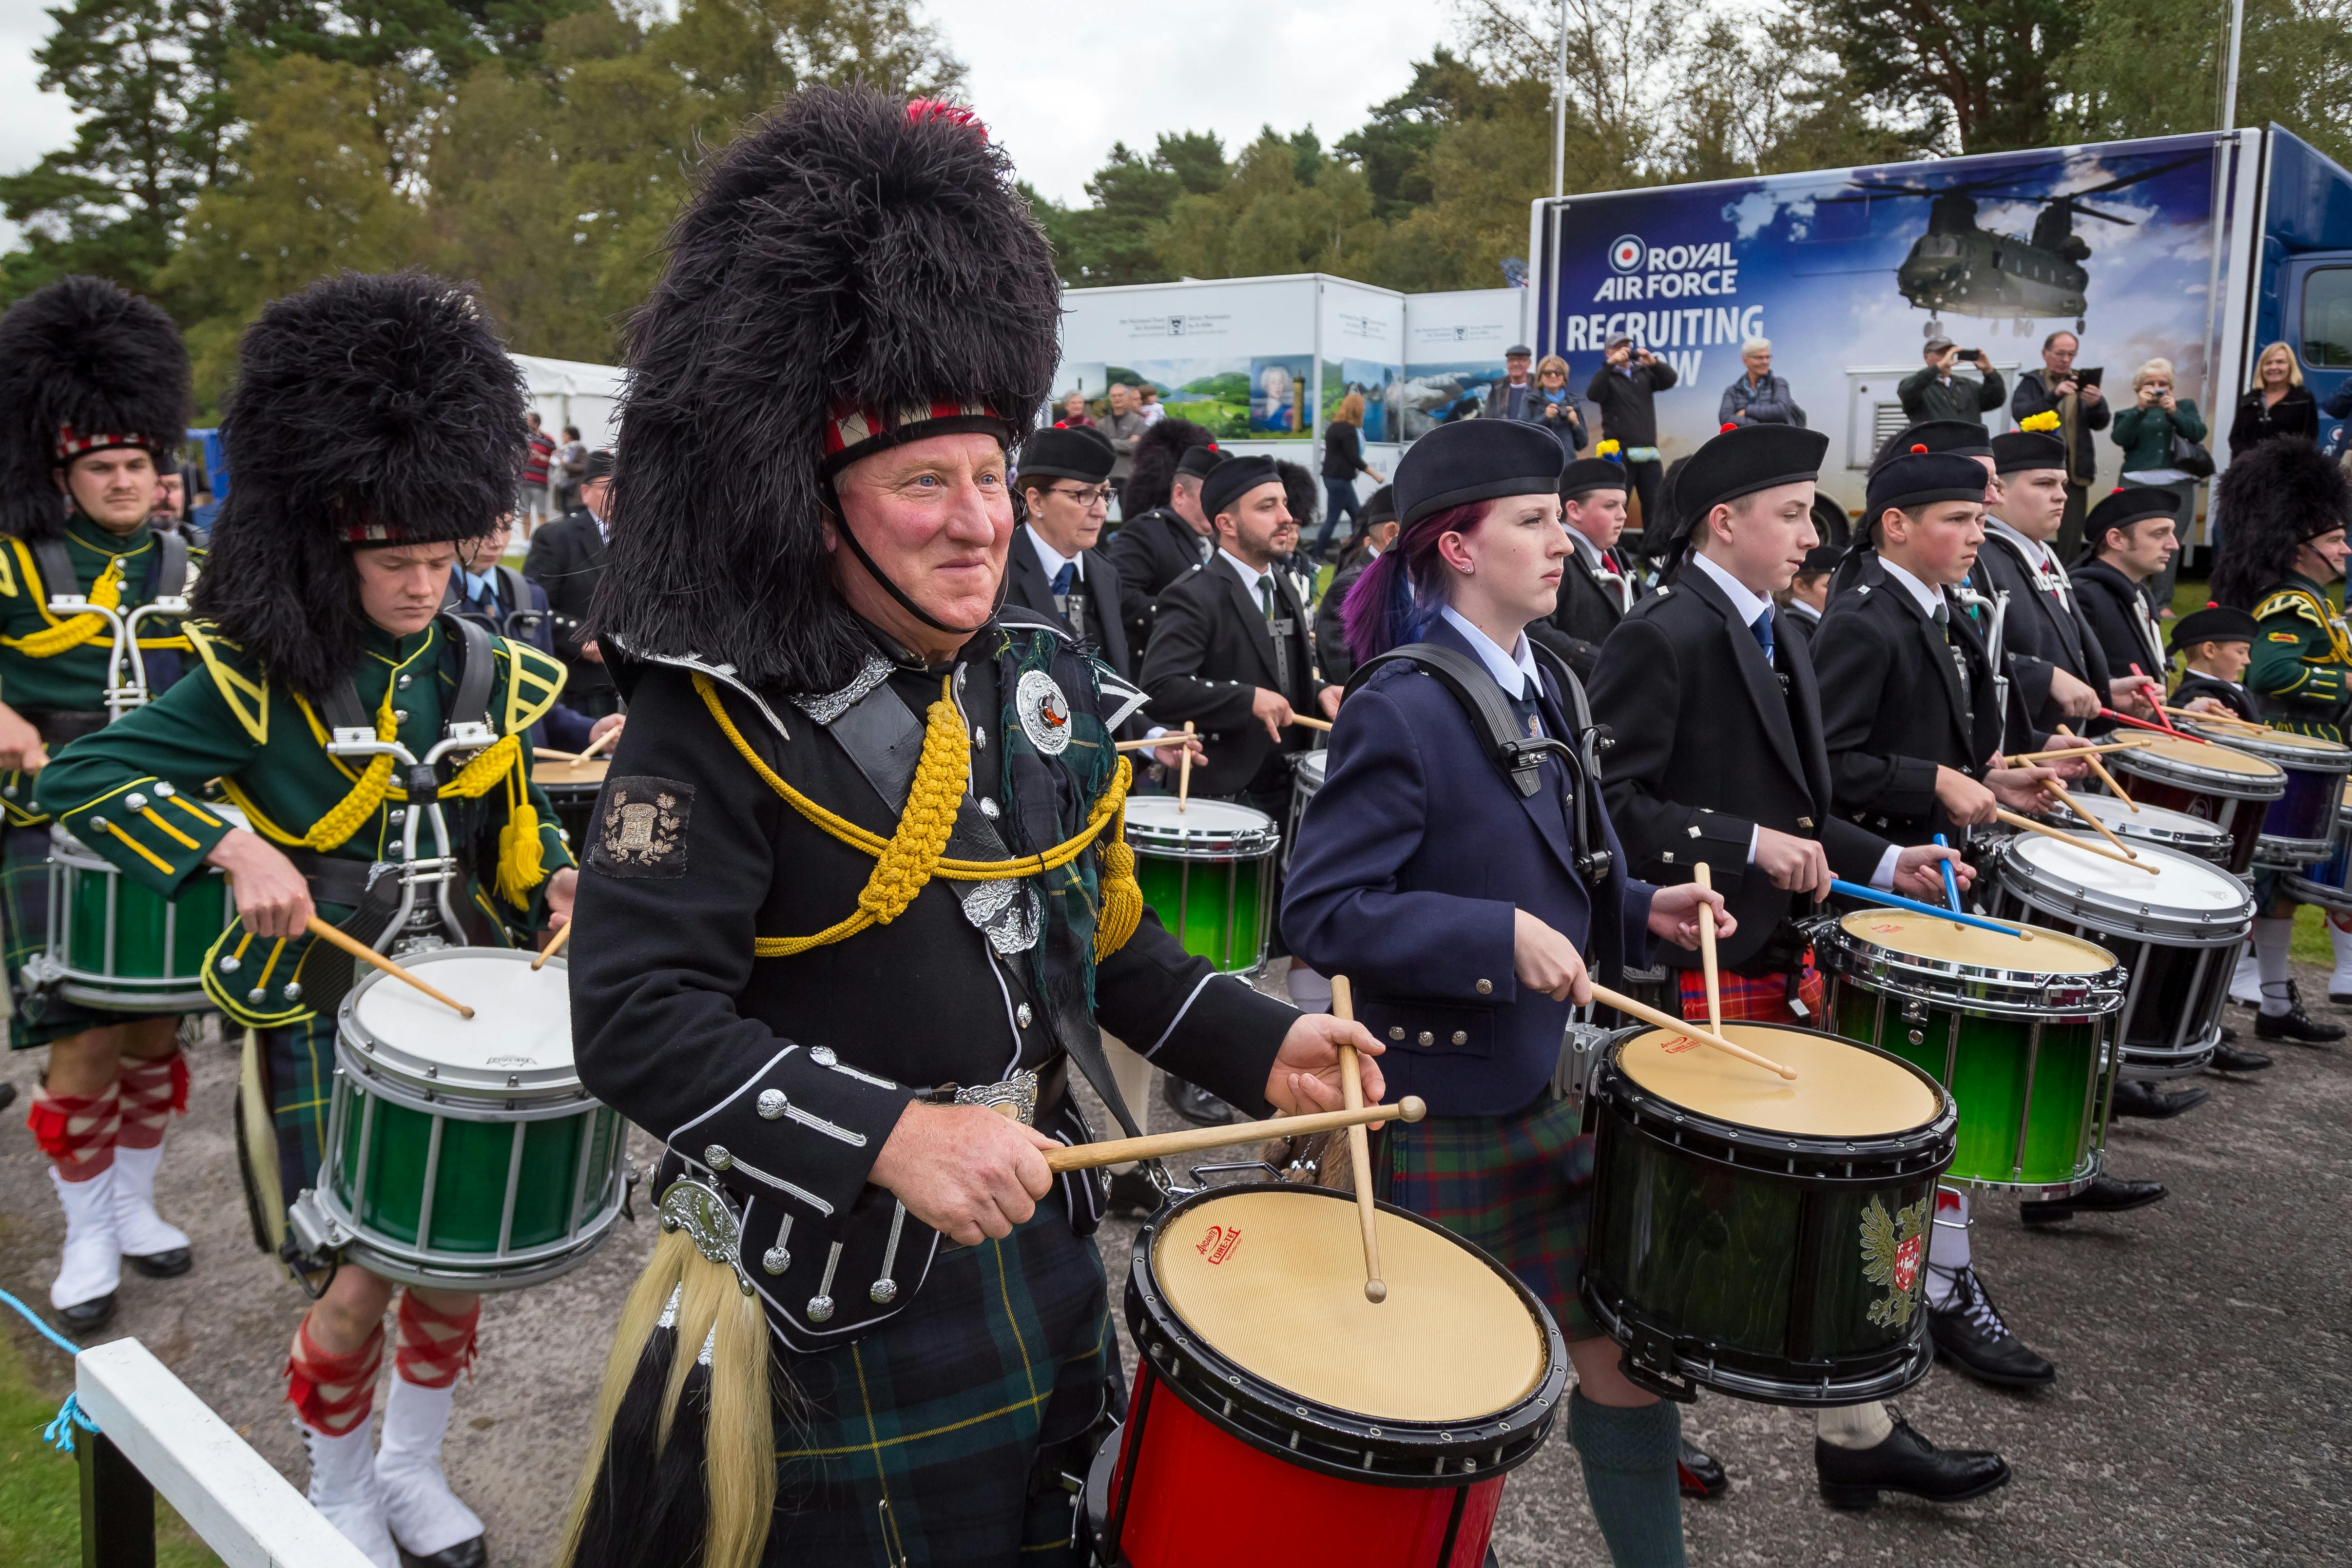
x,y
1629,1476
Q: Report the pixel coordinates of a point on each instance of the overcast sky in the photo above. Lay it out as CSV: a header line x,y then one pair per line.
x,y
1057,81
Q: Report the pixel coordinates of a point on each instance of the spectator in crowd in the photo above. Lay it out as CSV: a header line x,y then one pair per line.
x,y
2083,411
1933,392
571,467
1074,416
1508,397
1625,387
1376,530
531,500
2277,405
2146,431
567,559
1553,407
1148,405
1123,427
169,507
1343,459
1758,397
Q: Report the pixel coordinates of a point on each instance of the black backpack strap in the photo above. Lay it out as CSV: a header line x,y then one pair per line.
x,y
343,708
475,674
56,563
168,575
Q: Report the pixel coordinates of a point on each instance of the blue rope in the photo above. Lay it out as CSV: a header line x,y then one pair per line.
x,y
59,1433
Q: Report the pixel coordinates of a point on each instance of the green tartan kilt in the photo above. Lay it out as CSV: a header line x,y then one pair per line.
x,y
39,1016
298,1067
939,1438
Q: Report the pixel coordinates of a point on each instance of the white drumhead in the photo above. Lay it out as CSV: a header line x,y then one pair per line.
x,y
2179,882
1310,768
1157,814
2148,820
520,1034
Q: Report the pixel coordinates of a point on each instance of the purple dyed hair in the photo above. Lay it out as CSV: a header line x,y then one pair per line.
x,y
1405,587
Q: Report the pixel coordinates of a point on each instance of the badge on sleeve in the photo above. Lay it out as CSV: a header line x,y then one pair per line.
x,y
1045,712
641,827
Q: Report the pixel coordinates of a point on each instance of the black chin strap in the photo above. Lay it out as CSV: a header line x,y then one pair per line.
x,y
841,526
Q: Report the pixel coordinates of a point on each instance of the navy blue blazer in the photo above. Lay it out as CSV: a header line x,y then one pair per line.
x,y
563,729
1407,871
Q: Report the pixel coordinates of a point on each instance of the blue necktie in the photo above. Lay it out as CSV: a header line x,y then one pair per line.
x,y
1762,627
1062,580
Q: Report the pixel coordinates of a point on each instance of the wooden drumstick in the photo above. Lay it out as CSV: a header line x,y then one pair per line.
x,y
553,947
1359,1143
1706,879
1651,1015
2023,759
550,755
2085,844
2227,721
1199,1140
2057,792
1184,770
367,955
598,744
2099,768
1304,722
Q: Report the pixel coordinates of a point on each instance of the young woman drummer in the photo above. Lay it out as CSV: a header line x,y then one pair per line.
x,y
373,422
1466,912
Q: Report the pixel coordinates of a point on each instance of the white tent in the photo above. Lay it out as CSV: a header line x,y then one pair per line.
x,y
571,392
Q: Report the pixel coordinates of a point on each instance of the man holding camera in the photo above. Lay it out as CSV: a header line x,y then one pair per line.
x,y
1625,387
1933,392
2083,412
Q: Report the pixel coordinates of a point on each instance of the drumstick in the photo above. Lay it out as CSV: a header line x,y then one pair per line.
x,y
2165,730
2229,721
1896,902
550,755
1184,770
2085,844
1951,882
2100,768
363,952
2021,758
2154,703
596,745
1705,880
553,947
1651,1015
2057,792
1199,1140
1359,1144
1304,722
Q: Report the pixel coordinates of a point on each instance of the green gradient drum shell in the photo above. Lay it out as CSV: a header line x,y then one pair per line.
x,y
1762,1238
115,945
1208,871
2017,1029
464,1154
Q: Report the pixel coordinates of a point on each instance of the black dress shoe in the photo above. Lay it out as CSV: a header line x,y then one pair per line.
x,y
1197,1105
1904,1462
1971,1336
2104,1196
1700,1473
1132,1195
89,1316
169,1264
2228,1057
2230,1036
2135,1098
2296,1025
8,1095
465,1555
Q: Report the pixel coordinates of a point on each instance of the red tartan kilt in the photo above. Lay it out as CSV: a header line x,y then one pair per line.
x,y
1753,999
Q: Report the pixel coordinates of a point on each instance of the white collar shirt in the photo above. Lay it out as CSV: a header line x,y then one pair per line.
x,y
1512,671
1050,560
1929,600
1748,605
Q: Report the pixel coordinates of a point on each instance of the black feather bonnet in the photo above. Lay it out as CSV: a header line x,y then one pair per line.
x,y
855,271
2272,498
85,366
1152,481
369,410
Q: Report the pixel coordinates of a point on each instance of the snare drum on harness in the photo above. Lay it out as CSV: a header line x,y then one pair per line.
x,y
2299,827
2157,825
2326,882
1306,780
115,945
2230,788
1206,868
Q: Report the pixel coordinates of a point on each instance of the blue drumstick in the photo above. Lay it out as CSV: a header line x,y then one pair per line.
x,y
1888,901
1951,883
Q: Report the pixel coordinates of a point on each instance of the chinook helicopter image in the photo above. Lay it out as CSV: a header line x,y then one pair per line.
x,y
1960,266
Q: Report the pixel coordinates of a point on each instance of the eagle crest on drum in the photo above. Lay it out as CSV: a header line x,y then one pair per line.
x,y
1893,1248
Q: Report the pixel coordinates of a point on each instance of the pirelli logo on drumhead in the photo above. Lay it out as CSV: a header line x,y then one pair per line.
x,y
641,827
1218,1242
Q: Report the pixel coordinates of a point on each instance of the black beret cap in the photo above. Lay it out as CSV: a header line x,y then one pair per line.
x,y
1586,475
1380,507
1476,459
600,466
1954,438
2215,622
1197,461
1235,478
1922,479
2134,503
2016,451
1820,558
1078,453
1745,459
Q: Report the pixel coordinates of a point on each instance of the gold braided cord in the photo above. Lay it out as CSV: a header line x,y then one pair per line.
x,y
911,856
64,635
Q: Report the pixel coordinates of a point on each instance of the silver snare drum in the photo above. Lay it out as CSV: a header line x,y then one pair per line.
x,y
2157,825
1306,781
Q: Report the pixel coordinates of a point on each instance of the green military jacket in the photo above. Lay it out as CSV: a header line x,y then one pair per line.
x,y
52,664
135,791
2302,659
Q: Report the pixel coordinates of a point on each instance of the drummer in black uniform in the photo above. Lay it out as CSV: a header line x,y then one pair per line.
x,y
2215,645
1809,590
1601,583
1155,547
860,880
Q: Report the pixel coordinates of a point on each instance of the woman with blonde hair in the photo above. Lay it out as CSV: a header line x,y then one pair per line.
x,y
1343,459
2276,404
1553,407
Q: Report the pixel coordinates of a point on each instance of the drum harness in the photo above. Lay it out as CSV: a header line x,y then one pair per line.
x,y
127,686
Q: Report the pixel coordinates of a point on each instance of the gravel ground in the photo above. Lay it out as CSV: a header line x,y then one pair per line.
x,y
2203,1412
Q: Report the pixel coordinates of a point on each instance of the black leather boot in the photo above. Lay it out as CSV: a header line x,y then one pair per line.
x,y
2295,1025
1905,1462
1197,1105
2228,1057
2106,1195
1700,1473
2136,1099
1971,1336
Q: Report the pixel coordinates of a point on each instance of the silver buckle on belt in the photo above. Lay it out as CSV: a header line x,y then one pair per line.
x,y
1016,1095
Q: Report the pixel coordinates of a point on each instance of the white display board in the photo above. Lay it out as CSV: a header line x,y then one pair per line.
x,y
573,392
1453,345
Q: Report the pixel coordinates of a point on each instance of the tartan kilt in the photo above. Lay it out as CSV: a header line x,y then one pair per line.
x,y
937,1438
1518,1187
297,1067
37,1017
1754,998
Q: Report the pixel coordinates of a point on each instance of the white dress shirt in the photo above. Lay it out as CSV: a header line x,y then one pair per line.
x,y
1053,560
1250,575
1930,600
1513,671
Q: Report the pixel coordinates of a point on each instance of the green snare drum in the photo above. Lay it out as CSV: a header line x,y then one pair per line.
x,y
463,1154
2019,1030
116,946
1208,873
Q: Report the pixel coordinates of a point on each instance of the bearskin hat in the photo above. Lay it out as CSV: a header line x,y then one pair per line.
x,y
1301,495
369,408
855,271
2270,500
1152,479
85,366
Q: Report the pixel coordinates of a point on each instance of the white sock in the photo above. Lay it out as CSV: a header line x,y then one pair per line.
x,y
1947,1246
425,1515
2272,940
1852,1425
2246,980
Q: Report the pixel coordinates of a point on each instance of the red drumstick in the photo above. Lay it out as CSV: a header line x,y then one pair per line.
x,y
2161,716
2159,729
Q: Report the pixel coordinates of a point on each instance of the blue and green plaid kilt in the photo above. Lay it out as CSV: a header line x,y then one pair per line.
x,y
921,1443
1517,1186
40,1016
299,1064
